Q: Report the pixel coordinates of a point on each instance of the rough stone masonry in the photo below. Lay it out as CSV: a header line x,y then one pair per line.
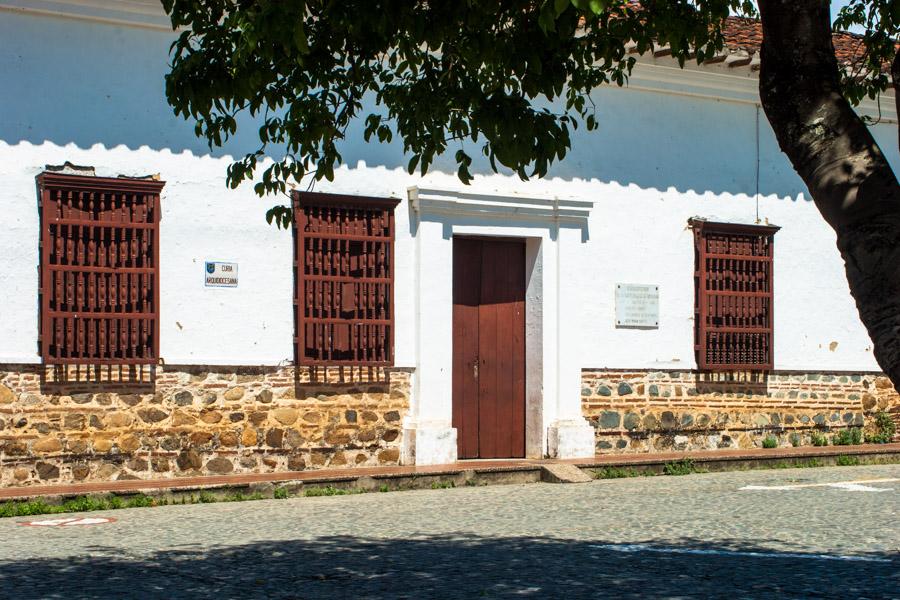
x,y
197,421
647,411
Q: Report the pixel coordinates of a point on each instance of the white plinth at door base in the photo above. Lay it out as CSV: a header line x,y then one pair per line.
x,y
428,444
573,438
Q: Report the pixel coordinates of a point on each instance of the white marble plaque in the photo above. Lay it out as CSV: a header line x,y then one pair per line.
x,y
637,305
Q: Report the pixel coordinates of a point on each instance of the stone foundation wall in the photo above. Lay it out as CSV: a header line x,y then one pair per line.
x,y
647,411
196,421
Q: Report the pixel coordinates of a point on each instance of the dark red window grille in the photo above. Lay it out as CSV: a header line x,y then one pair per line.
x,y
99,271
344,280
733,296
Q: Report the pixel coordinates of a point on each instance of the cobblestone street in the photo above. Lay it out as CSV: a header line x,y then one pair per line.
x,y
726,535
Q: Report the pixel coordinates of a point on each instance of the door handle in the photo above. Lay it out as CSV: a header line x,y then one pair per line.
x,y
475,369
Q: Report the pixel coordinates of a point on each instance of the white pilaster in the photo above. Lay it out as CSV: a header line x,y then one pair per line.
x,y
428,435
569,434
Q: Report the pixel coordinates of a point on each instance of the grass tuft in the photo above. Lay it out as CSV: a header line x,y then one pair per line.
x,y
442,485
685,466
616,473
329,490
847,461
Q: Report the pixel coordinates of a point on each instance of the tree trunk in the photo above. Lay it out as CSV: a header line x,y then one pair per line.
x,y
832,150
895,81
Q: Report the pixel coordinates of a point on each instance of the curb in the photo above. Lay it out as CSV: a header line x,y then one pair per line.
x,y
443,476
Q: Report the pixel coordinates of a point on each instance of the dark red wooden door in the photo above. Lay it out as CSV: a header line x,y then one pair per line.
x,y
489,347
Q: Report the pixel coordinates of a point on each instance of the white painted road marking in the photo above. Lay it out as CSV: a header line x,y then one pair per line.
x,y
68,522
850,486
633,548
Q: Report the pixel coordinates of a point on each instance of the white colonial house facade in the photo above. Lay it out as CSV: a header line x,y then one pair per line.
x,y
594,310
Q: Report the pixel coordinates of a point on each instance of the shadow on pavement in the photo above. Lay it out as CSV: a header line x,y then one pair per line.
x,y
453,567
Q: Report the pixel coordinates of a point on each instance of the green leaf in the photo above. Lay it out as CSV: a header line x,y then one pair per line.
x,y
597,6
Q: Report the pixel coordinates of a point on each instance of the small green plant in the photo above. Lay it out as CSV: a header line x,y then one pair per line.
x,y
442,485
796,440
817,439
616,473
770,442
847,461
329,490
383,488
205,498
848,437
281,493
239,497
323,491
24,509
140,501
884,429
685,466
84,504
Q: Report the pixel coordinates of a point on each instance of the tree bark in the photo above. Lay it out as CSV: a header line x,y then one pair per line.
x,y
834,153
895,83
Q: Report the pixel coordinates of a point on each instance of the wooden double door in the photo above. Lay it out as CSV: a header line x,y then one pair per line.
x,y
489,347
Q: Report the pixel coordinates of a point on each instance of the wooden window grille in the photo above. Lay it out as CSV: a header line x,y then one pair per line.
x,y
99,270
734,312
344,280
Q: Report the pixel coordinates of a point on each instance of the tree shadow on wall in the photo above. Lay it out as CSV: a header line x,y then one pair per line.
x,y
461,566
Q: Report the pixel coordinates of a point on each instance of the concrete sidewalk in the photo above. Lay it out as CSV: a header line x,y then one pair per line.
x,y
469,472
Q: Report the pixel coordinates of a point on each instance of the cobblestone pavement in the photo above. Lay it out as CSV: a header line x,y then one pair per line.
x,y
692,536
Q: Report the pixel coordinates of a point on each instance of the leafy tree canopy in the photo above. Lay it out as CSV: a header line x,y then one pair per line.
x,y
463,75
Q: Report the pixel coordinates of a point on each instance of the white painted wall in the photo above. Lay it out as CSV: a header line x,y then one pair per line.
x,y
92,93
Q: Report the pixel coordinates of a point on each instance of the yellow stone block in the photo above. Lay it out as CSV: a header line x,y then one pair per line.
x,y
47,445
285,416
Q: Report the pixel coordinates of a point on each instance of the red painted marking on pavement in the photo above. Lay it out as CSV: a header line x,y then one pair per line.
x,y
69,522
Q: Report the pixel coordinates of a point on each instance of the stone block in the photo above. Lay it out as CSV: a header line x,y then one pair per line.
x,y
610,419
47,470
152,415
631,421
389,456
219,465
234,394
285,416
249,437
184,398
6,395
188,460
47,445
275,438
118,419
128,443
210,417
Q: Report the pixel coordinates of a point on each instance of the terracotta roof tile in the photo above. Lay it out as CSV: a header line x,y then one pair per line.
x,y
746,34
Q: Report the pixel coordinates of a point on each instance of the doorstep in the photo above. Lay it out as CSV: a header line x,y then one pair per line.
x,y
476,472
